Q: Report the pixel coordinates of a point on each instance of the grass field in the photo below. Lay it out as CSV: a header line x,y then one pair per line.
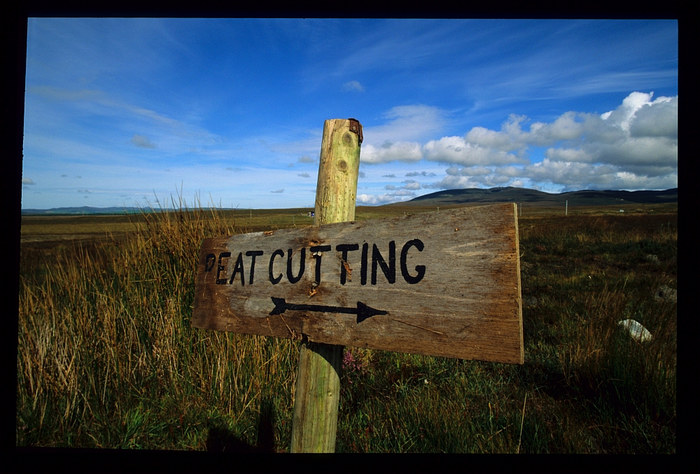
x,y
107,358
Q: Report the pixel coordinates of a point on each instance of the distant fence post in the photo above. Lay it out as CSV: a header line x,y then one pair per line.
x,y
315,417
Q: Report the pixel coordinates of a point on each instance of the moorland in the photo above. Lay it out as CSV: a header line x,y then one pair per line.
x,y
106,356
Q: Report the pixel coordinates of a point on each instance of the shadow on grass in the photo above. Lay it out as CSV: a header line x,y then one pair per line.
x,y
221,439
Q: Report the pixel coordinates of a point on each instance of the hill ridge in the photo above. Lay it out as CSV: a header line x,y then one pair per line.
x,y
514,194
445,197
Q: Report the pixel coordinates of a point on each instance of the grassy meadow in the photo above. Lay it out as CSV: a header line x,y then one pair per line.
x,y
106,357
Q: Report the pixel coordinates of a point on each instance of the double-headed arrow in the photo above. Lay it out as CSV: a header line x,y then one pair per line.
x,y
362,310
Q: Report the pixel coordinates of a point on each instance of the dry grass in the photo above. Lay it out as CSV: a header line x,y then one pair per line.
x,y
107,357
106,353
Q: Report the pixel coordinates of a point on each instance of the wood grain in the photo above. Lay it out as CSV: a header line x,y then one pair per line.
x,y
466,305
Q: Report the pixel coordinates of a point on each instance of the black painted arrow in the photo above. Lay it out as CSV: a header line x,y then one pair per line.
x,y
362,310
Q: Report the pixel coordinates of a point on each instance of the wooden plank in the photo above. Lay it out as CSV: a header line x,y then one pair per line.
x,y
442,283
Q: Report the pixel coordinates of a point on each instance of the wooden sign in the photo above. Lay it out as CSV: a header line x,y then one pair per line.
x,y
442,283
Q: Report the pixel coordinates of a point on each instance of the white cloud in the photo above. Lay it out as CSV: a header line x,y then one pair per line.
x,y
631,152
570,126
473,177
461,151
640,117
634,146
420,173
565,127
657,119
469,171
353,86
401,151
398,139
484,137
573,176
411,184
405,123
568,154
373,199
624,114
368,199
454,182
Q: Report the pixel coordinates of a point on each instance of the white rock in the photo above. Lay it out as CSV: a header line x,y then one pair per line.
x,y
636,330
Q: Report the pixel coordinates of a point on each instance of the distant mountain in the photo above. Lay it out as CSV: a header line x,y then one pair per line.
x,y
84,210
444,198
520,195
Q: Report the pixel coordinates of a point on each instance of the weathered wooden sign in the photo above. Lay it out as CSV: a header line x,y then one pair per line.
x,y
441,283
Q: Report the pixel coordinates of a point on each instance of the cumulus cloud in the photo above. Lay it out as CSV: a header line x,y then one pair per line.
x,y
512,136
409,185
460,150
571,175
656,119
470,171
395,196
568,154
420,173
639,137
26,181
634,146
402,151
399,138
464,180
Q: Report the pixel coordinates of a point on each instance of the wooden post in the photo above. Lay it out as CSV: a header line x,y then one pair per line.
x,y
317,390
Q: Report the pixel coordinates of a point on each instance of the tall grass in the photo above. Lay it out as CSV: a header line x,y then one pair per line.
x,y
584,276
585,387
107,357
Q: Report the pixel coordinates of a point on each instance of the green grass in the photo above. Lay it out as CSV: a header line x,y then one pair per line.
x,y
107,357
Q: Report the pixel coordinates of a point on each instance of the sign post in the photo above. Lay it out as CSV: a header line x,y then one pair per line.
x,y
315,418
444,284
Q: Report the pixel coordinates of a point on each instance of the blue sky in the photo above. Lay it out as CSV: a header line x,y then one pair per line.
x,y
230,112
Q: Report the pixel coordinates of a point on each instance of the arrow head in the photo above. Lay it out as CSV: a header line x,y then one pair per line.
x,y
364,312
280,306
